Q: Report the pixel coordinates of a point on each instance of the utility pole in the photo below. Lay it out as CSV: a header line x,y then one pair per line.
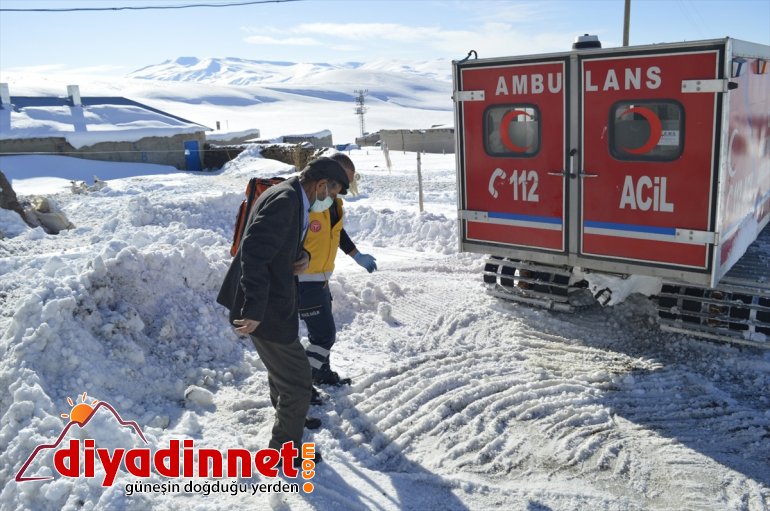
x,y
626,21
360,108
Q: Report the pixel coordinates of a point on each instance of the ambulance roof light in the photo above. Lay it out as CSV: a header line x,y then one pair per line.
x,y
586,42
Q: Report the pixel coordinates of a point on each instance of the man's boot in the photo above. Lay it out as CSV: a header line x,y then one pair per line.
x,y
325,376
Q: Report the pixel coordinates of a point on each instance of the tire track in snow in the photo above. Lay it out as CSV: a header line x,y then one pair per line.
x,y
481,392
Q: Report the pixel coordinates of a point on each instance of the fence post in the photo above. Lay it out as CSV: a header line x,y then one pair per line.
x,y
419,179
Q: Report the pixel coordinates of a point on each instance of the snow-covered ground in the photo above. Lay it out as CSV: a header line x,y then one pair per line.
x,y
459,401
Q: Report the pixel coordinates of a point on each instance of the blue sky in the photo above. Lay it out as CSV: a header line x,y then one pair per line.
x,y
335,31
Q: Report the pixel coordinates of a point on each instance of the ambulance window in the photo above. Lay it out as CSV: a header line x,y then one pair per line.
x,y
512,130
646,130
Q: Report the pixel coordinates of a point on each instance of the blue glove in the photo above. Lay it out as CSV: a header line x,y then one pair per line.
x,y
366,261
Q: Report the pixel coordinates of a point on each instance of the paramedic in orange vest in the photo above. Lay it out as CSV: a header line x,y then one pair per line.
x,y
325,234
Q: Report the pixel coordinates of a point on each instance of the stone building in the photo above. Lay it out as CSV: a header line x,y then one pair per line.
x,y
430,140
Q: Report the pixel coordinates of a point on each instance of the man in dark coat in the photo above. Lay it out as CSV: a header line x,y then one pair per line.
x,y
260,288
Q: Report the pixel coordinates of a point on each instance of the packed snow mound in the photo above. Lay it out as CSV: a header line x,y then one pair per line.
x,y
131,328
250,163
11,224
136,315
402,228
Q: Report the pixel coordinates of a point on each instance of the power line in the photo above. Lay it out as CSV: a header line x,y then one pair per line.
x,y
146,8
693,16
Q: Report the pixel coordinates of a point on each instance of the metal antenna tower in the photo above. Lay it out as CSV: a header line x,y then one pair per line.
x,y
360,108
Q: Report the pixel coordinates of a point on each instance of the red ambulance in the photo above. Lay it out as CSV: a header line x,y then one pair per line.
x,y
606,171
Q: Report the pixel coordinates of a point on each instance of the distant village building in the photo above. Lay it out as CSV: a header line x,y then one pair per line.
x,y
318,140
368,139
98,128
439,139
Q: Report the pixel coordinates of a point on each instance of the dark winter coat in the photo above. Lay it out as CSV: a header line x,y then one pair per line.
x,y
260,283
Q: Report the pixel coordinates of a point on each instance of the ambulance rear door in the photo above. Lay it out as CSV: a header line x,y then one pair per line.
x,y
648,144
512,136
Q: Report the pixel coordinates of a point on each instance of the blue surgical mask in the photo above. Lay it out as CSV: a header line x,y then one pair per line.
x,y
322,205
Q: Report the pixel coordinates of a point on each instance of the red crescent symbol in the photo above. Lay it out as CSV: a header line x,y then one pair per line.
x,y
505,137
656,129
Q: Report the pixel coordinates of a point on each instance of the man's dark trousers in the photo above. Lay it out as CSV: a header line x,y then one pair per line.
x,y
288,374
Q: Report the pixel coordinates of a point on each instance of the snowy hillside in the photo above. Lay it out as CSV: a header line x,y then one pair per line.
x,y
458,401
278,98
425,85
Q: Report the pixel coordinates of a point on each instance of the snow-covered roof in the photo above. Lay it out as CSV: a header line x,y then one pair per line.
x,y
97,119
229,135
317,134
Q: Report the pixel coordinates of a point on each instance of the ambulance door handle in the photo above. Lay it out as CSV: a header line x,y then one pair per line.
x,y
586,174
567,173
572,154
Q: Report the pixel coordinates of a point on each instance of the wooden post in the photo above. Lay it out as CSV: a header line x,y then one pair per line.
x,y
419,179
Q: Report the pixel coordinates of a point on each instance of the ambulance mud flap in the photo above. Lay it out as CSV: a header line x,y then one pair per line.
x,y
535,284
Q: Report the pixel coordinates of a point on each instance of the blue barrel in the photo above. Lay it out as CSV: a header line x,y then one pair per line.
x,y
192,155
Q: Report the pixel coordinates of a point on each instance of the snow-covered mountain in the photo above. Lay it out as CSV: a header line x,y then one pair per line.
x,y
237,71
278,98
228,71
402,83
